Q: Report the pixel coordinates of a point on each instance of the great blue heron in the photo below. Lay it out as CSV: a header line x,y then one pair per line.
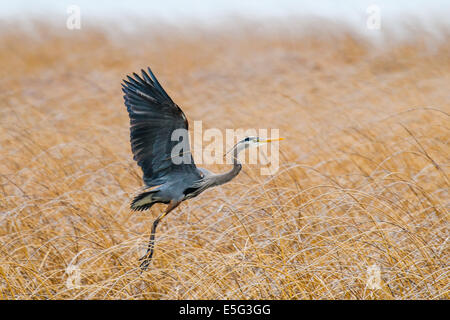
x,y
153,119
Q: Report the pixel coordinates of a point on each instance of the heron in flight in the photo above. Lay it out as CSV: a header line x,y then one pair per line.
x,y
153,119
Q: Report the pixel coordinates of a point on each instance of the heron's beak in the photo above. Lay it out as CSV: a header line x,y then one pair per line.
x,y
271,140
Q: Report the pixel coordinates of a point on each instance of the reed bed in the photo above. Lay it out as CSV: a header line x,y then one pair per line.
x,y
357,210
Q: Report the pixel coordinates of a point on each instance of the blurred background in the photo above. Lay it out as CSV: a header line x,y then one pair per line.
x,y
178,11
357,210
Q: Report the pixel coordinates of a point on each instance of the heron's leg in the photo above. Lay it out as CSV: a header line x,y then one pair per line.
x,y
147,258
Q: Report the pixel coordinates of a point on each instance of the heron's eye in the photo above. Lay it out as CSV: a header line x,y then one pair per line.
x,y
247,139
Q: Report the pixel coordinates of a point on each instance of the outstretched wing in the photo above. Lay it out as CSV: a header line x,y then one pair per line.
x,y
153,119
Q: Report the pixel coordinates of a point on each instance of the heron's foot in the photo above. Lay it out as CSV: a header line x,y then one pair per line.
x,y
144,265
146,260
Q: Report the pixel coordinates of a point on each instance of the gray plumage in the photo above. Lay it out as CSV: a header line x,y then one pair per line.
x,y
153,119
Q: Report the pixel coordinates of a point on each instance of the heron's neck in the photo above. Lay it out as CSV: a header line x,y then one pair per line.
x,y
227,176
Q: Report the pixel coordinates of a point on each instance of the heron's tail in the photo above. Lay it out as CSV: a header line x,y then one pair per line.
x,y
143,201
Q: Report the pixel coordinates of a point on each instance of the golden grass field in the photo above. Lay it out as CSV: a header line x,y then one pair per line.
x,y
363,180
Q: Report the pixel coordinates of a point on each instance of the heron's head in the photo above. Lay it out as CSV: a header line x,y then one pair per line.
x,y
255,141
251,141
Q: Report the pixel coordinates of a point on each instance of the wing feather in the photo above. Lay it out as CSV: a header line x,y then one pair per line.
x,y
153,118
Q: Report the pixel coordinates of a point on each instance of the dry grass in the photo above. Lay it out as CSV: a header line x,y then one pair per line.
x,y
363,181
